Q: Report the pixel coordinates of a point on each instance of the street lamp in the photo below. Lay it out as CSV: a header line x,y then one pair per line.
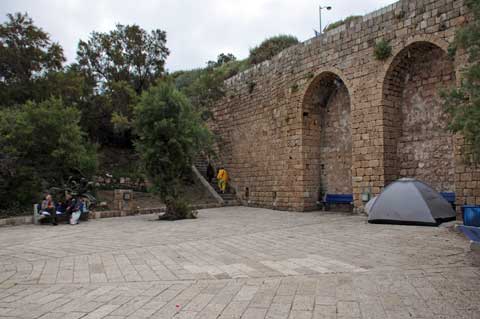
x,y
320,15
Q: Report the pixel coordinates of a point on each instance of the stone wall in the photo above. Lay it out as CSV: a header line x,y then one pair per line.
x,y
274,136
105,182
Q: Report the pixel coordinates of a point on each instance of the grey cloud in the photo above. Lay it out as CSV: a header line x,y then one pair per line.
x,y
197,31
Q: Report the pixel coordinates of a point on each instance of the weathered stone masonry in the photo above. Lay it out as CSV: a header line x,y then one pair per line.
x,y
326,116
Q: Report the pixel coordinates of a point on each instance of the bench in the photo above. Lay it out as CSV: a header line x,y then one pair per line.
x,y
37,216
449,197
337,199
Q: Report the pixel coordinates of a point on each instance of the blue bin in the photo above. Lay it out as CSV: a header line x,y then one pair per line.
x,y
471,215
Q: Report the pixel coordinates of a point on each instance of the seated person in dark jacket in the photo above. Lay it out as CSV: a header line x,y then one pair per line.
x,y
72,204
60,208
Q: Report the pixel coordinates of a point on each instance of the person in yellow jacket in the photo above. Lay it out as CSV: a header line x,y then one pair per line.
x,y
222,178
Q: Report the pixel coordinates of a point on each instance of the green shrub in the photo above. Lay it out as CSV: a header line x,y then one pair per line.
x,y
336,24
44,145
205,86
178,209
271,47
382,50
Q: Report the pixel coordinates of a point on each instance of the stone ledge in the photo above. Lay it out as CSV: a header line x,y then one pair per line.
x,y
15,221
124,213
25,220
143,211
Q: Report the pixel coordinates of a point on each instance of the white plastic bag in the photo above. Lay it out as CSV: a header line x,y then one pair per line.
x,y
74,218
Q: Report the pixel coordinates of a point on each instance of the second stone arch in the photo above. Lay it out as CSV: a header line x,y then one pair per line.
x,y
327,136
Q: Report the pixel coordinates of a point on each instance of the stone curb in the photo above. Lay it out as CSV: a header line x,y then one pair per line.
x,y
16,221
25,220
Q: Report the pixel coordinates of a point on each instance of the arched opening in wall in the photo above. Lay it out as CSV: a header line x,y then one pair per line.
x,y
417,142
327,137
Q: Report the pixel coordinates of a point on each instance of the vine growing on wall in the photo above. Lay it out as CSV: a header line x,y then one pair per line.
x,y
463,102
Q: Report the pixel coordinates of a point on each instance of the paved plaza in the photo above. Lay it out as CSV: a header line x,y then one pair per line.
x,y
237,262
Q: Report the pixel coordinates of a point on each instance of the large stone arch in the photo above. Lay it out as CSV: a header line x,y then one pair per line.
x,y
327,138
413,40
321,72
417,141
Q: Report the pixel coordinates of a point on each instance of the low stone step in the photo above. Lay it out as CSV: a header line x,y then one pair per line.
x,y
215,187
227,197
232,203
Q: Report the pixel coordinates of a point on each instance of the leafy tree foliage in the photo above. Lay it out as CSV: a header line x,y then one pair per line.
x,y
170,134
70,84
127,53
27,55
271,47
122,64
41,144
463,103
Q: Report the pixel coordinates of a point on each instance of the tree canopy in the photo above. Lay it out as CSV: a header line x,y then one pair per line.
x,y
128,53
27,55
122,64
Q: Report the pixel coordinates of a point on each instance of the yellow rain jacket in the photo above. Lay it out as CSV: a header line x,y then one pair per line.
x,y
222,175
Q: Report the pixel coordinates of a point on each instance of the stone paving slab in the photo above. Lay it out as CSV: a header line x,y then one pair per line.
x,y
237,262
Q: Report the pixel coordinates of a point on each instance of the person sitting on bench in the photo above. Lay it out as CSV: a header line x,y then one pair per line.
x,y
48,206
73,207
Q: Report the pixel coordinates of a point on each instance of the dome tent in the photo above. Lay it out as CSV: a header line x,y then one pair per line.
x,y
369,204
409,201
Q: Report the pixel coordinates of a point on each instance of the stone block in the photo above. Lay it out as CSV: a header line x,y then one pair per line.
x,y
123,199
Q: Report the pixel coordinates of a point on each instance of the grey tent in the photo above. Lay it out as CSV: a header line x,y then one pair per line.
x,y
369,205
409,201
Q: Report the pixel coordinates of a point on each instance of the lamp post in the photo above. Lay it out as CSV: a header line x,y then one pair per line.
x,y
320,15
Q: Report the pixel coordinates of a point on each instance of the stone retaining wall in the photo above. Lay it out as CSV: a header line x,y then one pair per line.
x,y
103,182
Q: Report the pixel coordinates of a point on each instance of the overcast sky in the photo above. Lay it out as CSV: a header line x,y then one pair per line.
x,y
197,31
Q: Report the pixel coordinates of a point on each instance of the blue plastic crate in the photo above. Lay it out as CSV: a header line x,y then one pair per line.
x,y
471,215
